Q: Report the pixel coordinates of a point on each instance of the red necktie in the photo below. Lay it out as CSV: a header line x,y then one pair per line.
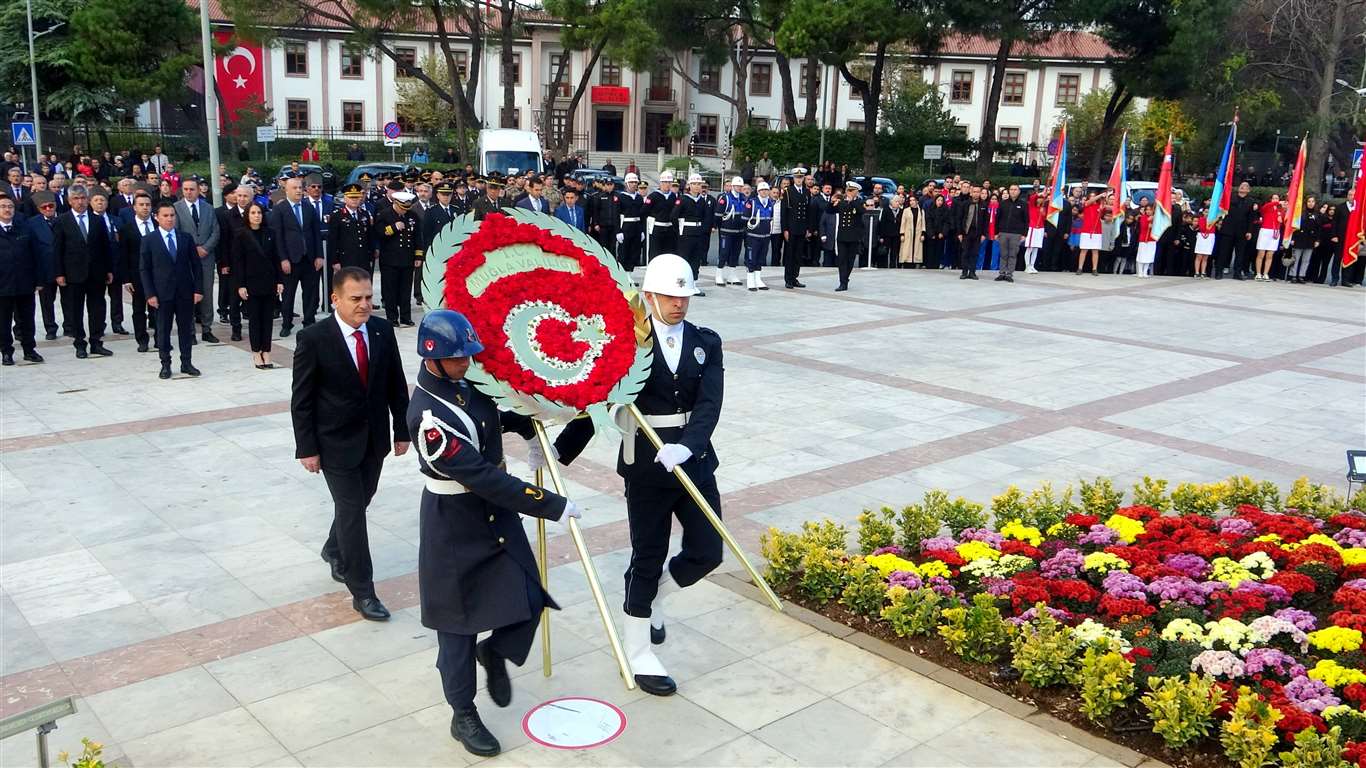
x,y
362,359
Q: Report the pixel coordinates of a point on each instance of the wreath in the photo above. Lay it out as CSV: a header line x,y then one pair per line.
x,y
564,330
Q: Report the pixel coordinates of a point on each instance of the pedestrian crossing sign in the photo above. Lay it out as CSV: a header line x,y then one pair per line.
x,y
22,134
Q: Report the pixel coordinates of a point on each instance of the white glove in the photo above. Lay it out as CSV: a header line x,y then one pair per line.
x,y
535,456
571,510
621,238
673,454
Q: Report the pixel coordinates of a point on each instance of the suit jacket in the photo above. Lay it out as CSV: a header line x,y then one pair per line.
x,y
328,205
81,258
205,234
292,242
255,265
335,417
168,279
18,267
433,221
130,247
574,218
525,202
40,242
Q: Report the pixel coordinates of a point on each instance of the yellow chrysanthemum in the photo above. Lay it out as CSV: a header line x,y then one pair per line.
x,y
1128,528
1021,532
976,550
887,562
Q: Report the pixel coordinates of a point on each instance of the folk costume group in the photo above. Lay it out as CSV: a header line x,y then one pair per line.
x,y
476,570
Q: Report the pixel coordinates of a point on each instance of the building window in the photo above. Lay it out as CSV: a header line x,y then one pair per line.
x,y
559,124
296,114
708,129
761,123
296,59
1009,135
511,118
661,81
405,123
709,78
1069,90
961,90
803,92
405,61
561,86
609,72
960,130
462,64
760,79
353,116
513,74
352,64
856,125
1012,90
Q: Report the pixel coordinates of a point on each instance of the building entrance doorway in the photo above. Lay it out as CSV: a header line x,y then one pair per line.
x,y
607,130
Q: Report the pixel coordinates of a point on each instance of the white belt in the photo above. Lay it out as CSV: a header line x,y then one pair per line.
x,y
628,425
687,223
629,219
654,223
445,487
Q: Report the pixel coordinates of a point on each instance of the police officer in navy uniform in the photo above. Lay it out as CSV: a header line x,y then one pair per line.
x,y
475,570
350,242
730,224
682,401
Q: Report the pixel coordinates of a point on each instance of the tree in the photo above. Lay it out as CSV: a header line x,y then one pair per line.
x,y
1163,119
914,108
1086,130
720,31
420,104
846,30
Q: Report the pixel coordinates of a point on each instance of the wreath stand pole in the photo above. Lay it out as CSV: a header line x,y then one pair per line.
x,y
594,585
545,583
712,517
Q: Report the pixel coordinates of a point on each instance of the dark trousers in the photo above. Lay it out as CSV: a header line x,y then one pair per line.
x,y
349,541
87,298
728,253
115,297
693,249
756,252
302,279
395,284
229,303
455,653
17,310
845,253
47,303
180,311
1228,251
664,239
141,313
776,252
798,250
260,312
629,249
650,510
968,254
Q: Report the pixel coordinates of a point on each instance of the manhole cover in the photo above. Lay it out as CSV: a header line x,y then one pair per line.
x,y
574,722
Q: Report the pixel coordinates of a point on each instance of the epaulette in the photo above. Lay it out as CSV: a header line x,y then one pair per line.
x,y
708,332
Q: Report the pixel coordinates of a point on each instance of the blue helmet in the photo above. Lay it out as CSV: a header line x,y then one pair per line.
x,y
446,333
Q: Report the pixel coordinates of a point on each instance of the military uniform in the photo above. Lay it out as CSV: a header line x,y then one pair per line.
x,y
758,218
661,215
799,225
484,206
692,230
730,224
350,239
848,215
399,248
630,226
603,220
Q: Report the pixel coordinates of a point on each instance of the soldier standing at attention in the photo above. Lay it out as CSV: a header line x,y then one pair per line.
x,y
493,199
629,206
848,208
730,209
349,240
399,233
661,211
681,400
475,569
798,217
693,236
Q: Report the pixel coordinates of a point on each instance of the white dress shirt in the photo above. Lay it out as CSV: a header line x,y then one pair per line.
x,y
349,335
666,333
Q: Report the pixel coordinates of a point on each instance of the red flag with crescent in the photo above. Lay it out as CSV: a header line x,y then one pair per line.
x,y
240,75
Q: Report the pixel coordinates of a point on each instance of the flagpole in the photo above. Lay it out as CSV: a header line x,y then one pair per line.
x,y
210,103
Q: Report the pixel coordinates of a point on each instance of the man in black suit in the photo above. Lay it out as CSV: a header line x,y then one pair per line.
x,y
83,266
18,280
1342,215
231,217
137,225
173,278
297,234
348,389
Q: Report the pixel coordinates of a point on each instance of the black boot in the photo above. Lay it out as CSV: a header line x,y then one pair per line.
x,y
495,667
469,730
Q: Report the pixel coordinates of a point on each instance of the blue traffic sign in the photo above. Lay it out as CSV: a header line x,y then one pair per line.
x,y
1356,158
392,131
22,134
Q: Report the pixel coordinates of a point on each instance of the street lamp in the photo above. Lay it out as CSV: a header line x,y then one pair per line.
x,y
33,75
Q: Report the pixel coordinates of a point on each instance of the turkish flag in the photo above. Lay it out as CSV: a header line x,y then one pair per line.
x,y
241,81
1355,243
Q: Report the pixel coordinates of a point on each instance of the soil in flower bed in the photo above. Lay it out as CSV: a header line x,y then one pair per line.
x,y
1131,727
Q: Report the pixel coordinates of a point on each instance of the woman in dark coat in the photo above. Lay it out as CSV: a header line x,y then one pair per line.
x,y
257,280
936,230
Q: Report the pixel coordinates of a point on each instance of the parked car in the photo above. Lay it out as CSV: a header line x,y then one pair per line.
x,y
375,169
888,185
326,172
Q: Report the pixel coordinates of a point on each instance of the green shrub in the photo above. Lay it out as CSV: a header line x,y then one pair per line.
x,y
1152,493
1045,652
913,612
864,589
1107,681
1315,750
1352,722
875,530
1249,734
1008,505
1100,498
976,632
1358,500
823,574
958,514
827,534
1198,499
784,552
1241,489
915,524
1044,510
1182,710
1317,500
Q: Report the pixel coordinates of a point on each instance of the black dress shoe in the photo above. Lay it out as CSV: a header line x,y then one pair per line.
x,y
1008,279
371,608
842,288
284,331
51,336
33,357
118,329
7,358
188,369
209,338
236,336
81,354
657,636
999,279
165,371
469,730
798,284
657,685
972,275
338,573
142,346
495,667
101,350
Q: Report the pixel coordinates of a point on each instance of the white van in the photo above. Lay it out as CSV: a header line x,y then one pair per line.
x,y
509,151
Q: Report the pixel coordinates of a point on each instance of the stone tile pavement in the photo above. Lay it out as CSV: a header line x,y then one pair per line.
x,y
158,543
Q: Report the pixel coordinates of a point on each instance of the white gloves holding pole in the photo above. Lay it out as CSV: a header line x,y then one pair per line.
x,y
672,454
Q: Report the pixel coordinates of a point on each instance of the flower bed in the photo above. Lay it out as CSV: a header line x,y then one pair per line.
x,y
1215,623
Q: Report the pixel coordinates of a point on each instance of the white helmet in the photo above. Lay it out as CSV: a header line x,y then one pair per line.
x,y
695,178
669,275
666,176
737,182
630,177
763,185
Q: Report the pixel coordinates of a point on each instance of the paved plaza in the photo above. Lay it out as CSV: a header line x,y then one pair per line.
x,y
159,553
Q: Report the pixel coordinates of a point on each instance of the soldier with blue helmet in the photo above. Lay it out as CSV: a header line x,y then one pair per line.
x,y
476,571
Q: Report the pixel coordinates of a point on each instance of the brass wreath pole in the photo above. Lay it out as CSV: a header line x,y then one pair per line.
x,y
545,583
702,504
589,571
